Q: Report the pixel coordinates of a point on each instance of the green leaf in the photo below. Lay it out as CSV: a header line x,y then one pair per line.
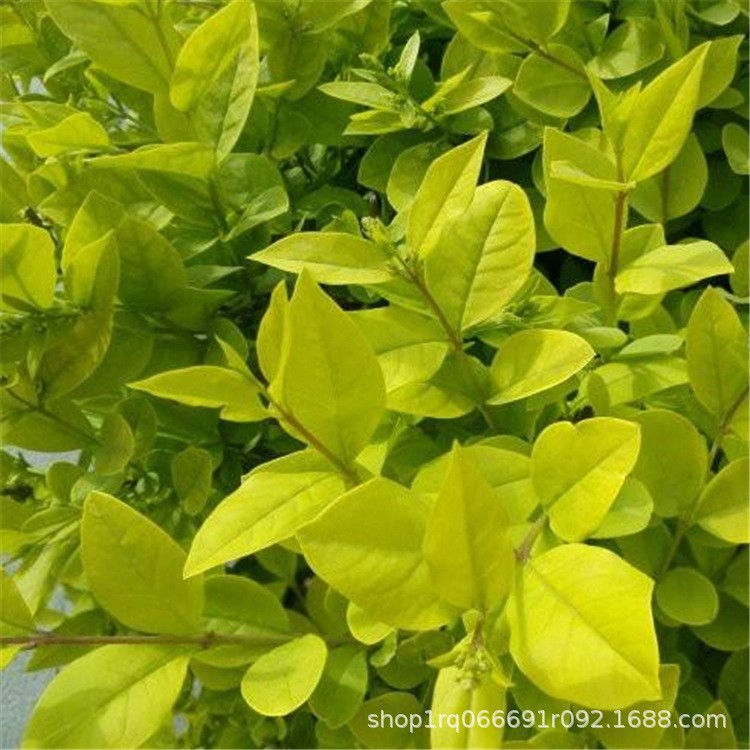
x,y
452,697
632,46
281,680
472,93
495,235
687,596
152,274
613,735
176,174
507,472
404,68
208,386
192,471
15,616
96,218
91,279
445,193
215,75
410,347
195,160
329,257
724,505
316,17
266,206
378,161
672,267
662,116
734,141
603,606
719,68
468,519
444,395
677,190
559,89
27,268
728,632
368,546
580,218
716,349
329,381
134,569
630,512
538,23
79,132
117,444
342,688
624,382
672,462
116,696
271,505
364,628
408,171
717,735
533,361
236,605
579,469
271,332
367,94
133,44
61,427
374,122
485,28
569,172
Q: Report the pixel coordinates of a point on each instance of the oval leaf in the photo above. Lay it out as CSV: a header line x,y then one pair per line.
x,y
284,678
533,361
603,606
116,696
134,569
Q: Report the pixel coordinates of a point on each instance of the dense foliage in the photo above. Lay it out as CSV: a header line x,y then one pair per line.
x,y
400,349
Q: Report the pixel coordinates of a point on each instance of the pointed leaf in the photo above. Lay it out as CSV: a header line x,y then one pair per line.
x,y
208,386
131,45
452,697
468,519
330,258
134,569
662,117
716,349
483,257
328,378
672,267
271,505
15,616
724,505
216,72
79,132
533,361
368,546
603,606
445,193
116,696
580,218
27,267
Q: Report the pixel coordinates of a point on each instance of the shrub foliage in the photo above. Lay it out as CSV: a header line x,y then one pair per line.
x,y
400,347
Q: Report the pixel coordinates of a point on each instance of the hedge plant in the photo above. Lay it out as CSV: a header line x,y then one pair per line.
x,y
389,355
